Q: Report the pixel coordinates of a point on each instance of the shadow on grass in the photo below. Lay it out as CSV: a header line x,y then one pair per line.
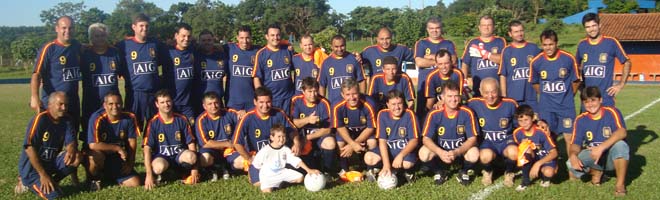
x,y
636,138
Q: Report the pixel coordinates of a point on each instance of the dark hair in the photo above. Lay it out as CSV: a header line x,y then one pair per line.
x,y
111,93
205,32
514,23
434,20
163,93
393,94
141,17
590,92
210,95
389,60
244,29
524,110
450,85
309,82
307,36
590,17
275,26
338,37
441,53
183,26
261,92
549,34
277,128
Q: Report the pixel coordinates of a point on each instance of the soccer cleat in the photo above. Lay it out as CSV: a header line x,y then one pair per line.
x,y
508,179
370,175
409,177
545,183
95,185
463,178
214,176
521,188
487,177
225,174
440,178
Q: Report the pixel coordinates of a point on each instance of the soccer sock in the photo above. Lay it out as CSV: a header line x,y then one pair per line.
x,y
509,165
525,174
467,166
343,163
328,157
488,167
543,177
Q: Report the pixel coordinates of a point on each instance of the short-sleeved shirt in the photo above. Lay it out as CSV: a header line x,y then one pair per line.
x,y
102,129
597,60
426,47
240,87
555,77
253,130
592,130
140,68
433,87
99,74
397,131
273,67
450,131
168,138
180,74
496,122
379,87
304,68
220,128
374,55
541,139
480,68
335,70
300,109
214,67
47,138
354,119
515,67
59,68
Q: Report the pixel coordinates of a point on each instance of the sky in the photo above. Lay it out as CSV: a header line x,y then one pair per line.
x,y
26,12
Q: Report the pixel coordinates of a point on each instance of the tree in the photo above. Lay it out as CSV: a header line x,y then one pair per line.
x,y
73,10
408,28
462,26
24,50
88,17
618,6
501,19
324,37
367,20
121,19
460,7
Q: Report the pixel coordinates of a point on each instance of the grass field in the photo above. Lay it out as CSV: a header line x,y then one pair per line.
x,y
642,173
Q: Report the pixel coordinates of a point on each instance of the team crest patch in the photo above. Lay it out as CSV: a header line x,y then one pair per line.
x,y
567,122
113,65
607,132
315,73
504,122
529,59
493,50
221,63
380,96
402,131
152,52
460,129
286,60
602,58
562,72
177,136
363,120
349,68
345,120
228,129
122,134
438,90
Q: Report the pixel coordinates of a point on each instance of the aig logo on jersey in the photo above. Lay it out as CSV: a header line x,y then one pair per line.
x,y
602,58
553,86
594,71
184,73
607,132
213,74
104,80
140,68
279,74
71,74
521,73
336,81
242,71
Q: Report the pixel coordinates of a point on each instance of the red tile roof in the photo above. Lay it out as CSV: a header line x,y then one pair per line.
x,y
631,27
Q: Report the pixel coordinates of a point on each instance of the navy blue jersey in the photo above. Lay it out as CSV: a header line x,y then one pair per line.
x,y
480,68
102,129
374,55
397,131
59,68
180,74
515,67
335,70
304,68
253,130
426,47
300,109
240,87
496,122
540,138
379,87
273,67
597,60
140,68
354,119
220,128
214,67
450,131
555,77
168,138
99,74
433,87
47,138
592,130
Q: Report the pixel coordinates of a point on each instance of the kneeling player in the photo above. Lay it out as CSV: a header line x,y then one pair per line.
x,y
214,128
450,134
271,161
111,138
539,158
168,133
397,138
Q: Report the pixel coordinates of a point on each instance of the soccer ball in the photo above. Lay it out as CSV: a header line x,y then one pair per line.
x,y
314,182
387,182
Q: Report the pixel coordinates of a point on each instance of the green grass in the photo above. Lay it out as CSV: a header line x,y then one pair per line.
x,y
7,72
643,175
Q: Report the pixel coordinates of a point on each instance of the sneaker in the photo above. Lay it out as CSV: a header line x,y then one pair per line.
x,y
409,177
225,174
370,175
20,188
508,179
440,178
94,185
487,177
521,188
463,178
214,176
545,183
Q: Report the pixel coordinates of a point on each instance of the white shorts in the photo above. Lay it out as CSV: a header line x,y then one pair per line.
x,y
269,179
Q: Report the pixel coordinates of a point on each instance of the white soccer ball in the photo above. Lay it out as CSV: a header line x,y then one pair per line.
x,y
314,182
387,182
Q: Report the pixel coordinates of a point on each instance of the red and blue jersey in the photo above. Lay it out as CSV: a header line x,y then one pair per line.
x,y
240,87
379,88
541,139
397,131
450,131
515,67
220,128
213,67
433,87
480,68
273,67
102,129
426,47
168,138
374,55
355,119
180,74
140,68
335,70
99,74
496,122
304,68
300,109
47,137
597,60
555,77
59,68
253,130
592,130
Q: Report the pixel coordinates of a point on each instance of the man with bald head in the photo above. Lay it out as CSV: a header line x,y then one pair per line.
x,y
375,55
495,115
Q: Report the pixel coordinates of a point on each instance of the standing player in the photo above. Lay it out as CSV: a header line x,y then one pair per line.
x,y
140,69
304,63
214,129
240,84
496,115
397,134
354,120
596,54
169,135
425,53
554,75
445,72
450,133
311,113
374,55
112,144
481,55
272,69
603,131
335,69
253,133
514,67
541,158
180,73
213,66
391,79
43,163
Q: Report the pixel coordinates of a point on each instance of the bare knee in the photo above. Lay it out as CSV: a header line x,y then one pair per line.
x,y
188,156
328,143
372,143
206,160
131,182
511,152
486,156
548,172
425,154
238,163
371,158
472,155
159,165
408,165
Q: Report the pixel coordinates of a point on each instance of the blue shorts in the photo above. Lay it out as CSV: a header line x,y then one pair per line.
x,y
186,111
172,160
284,104
58,168
411,157
558,121
353,134
316,144
620,149
214,153
142,104
112,168
241,106
497,147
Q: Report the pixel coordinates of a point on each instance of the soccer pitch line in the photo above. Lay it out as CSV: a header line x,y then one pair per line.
x,y
482,194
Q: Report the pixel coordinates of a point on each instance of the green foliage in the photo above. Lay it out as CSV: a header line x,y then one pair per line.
x,y
23,49
121,18
73,10
460,7
618,6
365,21
501,17
554,24
324,37
408,28
462,26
